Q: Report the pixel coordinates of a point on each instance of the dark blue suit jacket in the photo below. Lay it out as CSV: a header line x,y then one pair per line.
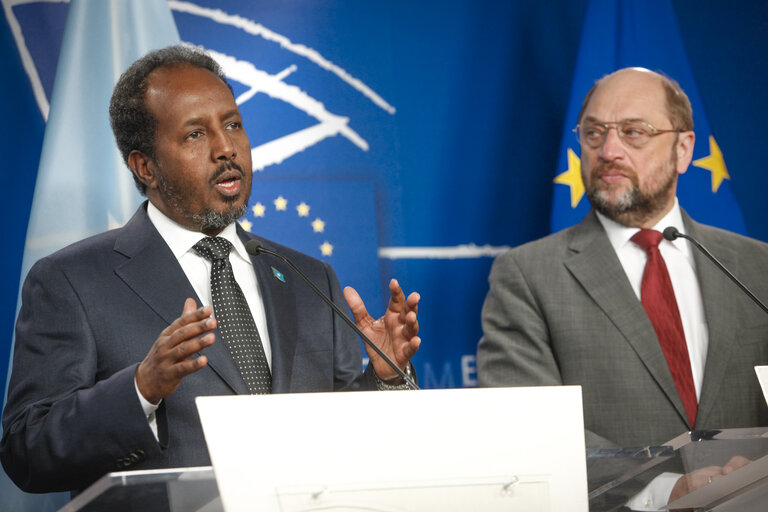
x,y
90,314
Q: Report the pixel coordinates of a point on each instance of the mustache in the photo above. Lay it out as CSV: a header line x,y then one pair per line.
x,y
612,166
224,167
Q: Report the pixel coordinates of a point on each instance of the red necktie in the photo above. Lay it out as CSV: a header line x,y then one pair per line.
x,y
658,299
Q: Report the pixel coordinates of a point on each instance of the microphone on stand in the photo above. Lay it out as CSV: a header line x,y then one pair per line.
x,y
671,233
254,247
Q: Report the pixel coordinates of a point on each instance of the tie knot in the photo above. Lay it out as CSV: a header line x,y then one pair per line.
x,y
647,238
213,248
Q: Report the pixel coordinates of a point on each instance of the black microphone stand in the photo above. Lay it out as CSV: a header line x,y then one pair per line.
x,y
671,233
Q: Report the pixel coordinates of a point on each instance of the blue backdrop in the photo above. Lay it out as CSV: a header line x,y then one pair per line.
x,y
407,139
426,125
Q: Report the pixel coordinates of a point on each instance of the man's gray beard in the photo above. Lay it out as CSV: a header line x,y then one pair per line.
x,y
211,220
631,201
633,206
207,220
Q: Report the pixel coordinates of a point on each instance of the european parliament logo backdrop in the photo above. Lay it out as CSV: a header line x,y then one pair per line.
x,y
414,140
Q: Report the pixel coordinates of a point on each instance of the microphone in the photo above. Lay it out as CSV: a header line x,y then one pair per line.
x,y
671,233
254,247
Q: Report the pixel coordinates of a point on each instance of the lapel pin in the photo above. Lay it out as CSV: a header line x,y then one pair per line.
x,y
278,275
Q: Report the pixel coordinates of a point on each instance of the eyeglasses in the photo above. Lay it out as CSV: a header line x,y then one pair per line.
x,y
635,134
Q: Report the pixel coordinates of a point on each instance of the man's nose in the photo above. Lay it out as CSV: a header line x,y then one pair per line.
x,y
222,147
612,147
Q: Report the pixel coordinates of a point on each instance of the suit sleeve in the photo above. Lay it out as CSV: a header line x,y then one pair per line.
x,y
515,348
347,352
64,423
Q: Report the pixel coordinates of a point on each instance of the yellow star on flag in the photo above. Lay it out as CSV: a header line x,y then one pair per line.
x,y
318,226
572,178
258,210
303,209
326,249
246,224
280,203
715,164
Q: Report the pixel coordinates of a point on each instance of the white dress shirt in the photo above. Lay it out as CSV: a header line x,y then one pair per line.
x,y
198,271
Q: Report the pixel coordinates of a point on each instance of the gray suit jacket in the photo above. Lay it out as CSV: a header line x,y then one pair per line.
x,y
89,315
560,310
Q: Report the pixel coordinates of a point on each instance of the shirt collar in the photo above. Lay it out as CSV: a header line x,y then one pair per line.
x,y
181,239
619,234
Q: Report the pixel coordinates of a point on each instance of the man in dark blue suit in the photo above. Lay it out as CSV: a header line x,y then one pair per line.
x,y
112,345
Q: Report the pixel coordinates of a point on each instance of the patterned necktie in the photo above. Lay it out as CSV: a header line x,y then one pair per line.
x,y
658,299
235,321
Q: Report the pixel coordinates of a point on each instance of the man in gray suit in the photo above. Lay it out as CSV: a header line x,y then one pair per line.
x,y
566,309
116,338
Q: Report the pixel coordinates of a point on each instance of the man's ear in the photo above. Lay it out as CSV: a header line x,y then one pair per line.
x,y
144,168
684,149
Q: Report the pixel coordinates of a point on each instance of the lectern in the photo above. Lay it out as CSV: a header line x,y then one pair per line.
x,y
503,449
511,449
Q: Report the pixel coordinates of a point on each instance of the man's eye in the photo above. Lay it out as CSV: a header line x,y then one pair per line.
x,y
234,125
194,135
634,131
593,132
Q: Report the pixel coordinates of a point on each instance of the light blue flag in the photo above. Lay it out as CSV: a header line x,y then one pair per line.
x,y
83,187
626,33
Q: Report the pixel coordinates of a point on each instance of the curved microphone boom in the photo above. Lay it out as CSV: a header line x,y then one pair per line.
x,y
671,233
254,247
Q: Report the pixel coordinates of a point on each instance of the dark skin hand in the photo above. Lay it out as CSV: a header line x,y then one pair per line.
x,y
167,362
395,333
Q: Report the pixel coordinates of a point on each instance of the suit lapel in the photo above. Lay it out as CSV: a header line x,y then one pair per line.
x,y
720,315
279,297
594,263
155,275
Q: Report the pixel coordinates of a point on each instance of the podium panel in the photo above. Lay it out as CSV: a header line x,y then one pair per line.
x,y
162,490
616,475
507,494
743,490
511,449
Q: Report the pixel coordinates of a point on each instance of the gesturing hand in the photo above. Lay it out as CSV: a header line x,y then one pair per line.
x,y
395,333
167,362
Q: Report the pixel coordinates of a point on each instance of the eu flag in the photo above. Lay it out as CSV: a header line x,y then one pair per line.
x,y
626,33
315,217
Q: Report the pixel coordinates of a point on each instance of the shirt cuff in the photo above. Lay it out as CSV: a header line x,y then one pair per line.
x,y
656,494
149,409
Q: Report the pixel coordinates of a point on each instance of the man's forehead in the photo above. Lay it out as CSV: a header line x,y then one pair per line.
x,y
185,88
628,94
180,76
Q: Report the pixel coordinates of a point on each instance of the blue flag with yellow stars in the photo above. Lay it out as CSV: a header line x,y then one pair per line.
x,y
314,218
619,34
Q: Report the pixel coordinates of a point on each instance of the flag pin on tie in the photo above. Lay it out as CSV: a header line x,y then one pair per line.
x,y
278,275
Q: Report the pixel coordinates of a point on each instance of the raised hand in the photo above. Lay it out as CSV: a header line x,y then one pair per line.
x,y
167,362
395,333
